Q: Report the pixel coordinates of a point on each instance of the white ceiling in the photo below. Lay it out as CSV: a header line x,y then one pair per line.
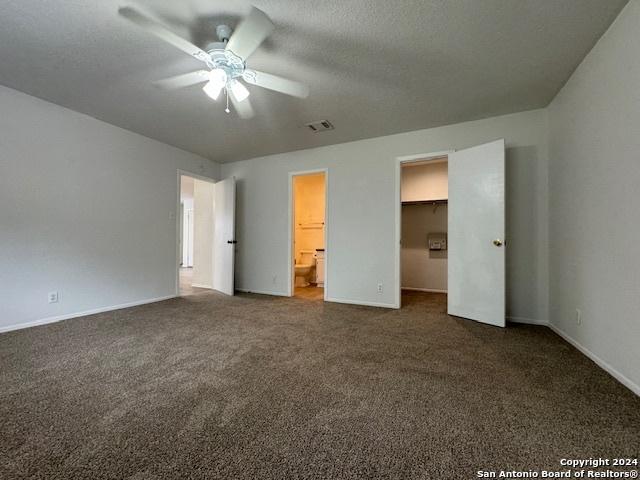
x,y
373,67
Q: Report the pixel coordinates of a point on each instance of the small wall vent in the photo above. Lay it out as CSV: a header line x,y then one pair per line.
x,y
321,126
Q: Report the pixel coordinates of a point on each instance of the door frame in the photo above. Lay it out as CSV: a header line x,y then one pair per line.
x,y
420,157
180,173
291,229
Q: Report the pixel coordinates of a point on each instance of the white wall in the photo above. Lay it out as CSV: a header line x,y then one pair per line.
x,y
425,181
186,223
203,231
186,232
594,222
421,268
87,209
362,208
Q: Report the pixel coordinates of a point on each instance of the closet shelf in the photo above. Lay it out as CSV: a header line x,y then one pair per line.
x,y
427,202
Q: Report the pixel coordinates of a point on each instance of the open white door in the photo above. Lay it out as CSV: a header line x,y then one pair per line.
x,y
476,262
224,243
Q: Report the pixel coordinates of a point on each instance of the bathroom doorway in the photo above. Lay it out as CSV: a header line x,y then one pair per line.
x,y
308,234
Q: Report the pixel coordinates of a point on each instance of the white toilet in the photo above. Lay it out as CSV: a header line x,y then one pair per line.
x,y
304,268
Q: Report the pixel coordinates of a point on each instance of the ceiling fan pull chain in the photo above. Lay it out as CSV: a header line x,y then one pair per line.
x,y
227,95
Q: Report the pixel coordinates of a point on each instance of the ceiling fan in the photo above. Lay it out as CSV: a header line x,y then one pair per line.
x,y
225,60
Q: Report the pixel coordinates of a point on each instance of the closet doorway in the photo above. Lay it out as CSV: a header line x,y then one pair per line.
x,y
423,253
450,227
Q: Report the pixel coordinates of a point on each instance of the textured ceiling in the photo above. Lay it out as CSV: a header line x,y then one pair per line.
x,y
373,67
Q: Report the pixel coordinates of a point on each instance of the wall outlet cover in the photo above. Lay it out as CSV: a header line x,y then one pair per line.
x,y
53,297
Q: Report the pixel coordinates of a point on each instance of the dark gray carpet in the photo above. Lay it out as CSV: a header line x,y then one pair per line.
x,y
256,387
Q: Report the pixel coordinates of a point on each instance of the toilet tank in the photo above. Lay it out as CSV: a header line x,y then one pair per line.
x,y
307,257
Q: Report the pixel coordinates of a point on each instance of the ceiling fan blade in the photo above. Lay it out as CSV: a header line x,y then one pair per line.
x,y
184,80
163,33
276,83
251,32
244,108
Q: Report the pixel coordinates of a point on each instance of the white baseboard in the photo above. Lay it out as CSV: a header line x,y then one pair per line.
x,y
627,382
429,290
528,321
59,318
262,292
202,285
358,302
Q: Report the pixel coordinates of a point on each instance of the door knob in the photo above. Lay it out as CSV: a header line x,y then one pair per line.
x,y
232,241
497,242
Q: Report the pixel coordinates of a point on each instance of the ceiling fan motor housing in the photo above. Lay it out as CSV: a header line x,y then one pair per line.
x,y
225,60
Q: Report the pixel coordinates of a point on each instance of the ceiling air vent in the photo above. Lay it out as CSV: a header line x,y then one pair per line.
x,y
321,126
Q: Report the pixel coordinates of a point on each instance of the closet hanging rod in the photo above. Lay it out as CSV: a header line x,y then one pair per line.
x,y
426,202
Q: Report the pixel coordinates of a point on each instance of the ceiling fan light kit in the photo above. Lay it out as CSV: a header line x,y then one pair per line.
x,y
217,81
225,59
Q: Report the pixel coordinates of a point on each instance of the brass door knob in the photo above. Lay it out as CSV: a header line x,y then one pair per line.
x,y
497,242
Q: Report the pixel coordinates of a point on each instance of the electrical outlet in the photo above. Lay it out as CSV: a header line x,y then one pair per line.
x,y
53,297
274,279
578,316
379,288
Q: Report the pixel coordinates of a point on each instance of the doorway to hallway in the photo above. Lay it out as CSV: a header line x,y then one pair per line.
x,y
206,234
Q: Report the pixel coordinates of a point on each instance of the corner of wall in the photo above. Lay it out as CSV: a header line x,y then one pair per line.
x,y
593,121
